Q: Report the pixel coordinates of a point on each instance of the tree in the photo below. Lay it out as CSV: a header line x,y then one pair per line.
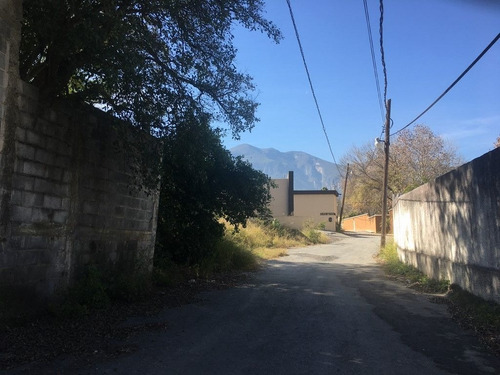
x,y
202,183
497,143
419,156
143,61
416,156
365,180
167,67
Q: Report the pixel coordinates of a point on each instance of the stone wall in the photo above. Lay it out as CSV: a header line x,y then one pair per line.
x,y
68,197
450,228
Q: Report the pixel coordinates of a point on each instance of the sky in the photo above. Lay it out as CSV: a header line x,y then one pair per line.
x,y
427,45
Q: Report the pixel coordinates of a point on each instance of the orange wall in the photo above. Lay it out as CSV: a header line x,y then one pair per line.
x,y
365,223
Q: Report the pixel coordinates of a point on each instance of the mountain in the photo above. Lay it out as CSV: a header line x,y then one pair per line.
x,y
310,172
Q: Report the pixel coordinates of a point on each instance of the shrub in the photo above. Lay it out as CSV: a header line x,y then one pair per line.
x,y
310,230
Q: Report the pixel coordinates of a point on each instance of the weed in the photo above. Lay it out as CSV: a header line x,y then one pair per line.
x,y
482,312
311,231
96,291
261,235
228,256
413,277
267,239
270,252
469,310
89,292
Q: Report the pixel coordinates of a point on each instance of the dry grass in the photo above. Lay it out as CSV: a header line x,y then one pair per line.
x,y
270,253
271,240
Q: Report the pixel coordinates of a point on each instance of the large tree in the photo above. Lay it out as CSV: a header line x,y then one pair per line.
x,y
416,156
167,67
143,60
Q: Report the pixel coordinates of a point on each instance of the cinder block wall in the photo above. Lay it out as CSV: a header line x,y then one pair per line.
x,y
450,228
68,197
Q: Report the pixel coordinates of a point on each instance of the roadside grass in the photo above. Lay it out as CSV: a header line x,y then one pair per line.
x,y
415,279
239,250
470,311
477,314
483,312
269,240
313,233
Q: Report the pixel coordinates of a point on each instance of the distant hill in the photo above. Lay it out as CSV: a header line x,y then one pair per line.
x,y
310,172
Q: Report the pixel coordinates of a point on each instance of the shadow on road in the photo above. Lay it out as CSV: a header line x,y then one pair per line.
x,y
361,234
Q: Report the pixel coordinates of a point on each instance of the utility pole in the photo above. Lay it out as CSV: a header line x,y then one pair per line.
x,y
386,172
343,197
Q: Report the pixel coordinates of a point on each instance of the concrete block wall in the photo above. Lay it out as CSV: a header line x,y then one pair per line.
x,y
68,197
450,228
72,200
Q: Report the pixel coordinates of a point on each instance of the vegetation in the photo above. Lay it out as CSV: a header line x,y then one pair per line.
x,y
240,249
168,68
270,239
237,250
485,313
96,290
409,274
146,62
416,156
203,183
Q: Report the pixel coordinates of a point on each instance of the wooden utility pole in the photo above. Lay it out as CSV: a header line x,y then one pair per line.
x,y
386,172
343,197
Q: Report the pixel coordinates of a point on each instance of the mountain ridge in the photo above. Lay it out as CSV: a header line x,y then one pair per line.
x,y
310,172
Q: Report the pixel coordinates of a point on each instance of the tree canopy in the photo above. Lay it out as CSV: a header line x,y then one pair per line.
x,y
143,60
416,157
168,68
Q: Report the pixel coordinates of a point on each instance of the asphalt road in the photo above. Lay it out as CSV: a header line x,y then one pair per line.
x,y
321,310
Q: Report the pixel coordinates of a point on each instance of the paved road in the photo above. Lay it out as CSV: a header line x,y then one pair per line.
x,y
322,310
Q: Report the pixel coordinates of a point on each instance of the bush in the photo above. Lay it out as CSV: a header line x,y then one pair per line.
x,y
228,256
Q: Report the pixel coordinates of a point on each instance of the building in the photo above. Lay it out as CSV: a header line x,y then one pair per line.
x,y
295,208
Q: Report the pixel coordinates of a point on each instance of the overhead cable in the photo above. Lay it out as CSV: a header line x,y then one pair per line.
x,y
453,84
311,85
374,63
382,54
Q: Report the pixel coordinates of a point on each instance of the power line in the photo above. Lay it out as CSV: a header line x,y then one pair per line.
x,y
381,30
311,85
374,63
453,84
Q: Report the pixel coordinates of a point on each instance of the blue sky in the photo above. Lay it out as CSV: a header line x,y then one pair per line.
x,y
427,43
